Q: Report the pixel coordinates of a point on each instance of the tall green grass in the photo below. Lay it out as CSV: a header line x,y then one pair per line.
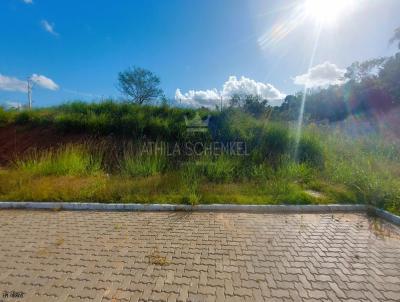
x,y
341,167
368,166
142,165
67,160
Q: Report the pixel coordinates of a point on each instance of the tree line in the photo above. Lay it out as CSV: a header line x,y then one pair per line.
x,y
368,87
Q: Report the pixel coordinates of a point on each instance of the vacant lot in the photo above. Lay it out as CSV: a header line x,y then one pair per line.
x,y
99,153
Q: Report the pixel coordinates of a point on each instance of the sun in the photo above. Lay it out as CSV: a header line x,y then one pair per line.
x,y
327,11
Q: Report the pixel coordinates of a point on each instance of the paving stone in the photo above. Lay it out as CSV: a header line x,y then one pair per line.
x,y
168,256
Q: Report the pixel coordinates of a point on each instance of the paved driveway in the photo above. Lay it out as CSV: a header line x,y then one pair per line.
x,y
125,256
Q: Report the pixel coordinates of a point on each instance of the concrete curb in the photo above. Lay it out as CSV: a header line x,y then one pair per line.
x,y
77,206
387,216
171,207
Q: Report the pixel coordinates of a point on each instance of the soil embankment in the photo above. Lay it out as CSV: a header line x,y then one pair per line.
x,y
18,140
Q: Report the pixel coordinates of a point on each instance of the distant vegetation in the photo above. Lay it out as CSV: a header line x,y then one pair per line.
x,y
371,87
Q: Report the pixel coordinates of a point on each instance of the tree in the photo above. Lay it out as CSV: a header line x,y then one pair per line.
x,y
235,100
390,77
290,108
396,37
367,69
254,105
140,85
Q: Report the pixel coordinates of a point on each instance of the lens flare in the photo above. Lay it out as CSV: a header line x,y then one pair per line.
x,y
324,13
327,11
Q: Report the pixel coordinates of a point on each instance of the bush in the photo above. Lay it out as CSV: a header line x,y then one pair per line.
x,y
34,117
5,117
271,143
233,125
310,152
24,117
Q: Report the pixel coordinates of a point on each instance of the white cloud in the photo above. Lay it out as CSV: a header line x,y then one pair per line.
x,y
28,1
14,105
248,86
321,75
49,27
211,97
12,84
44,82
198,98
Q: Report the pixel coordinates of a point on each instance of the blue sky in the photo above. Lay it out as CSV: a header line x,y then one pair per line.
x,y
76,48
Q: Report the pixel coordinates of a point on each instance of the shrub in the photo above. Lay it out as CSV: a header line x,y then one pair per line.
x,y
5,117
24,117
233,125
310,151
270,144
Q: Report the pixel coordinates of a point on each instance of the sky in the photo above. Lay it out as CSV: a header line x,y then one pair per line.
x,y
203,50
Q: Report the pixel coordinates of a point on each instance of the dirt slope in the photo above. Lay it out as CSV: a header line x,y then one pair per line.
x,y
17,140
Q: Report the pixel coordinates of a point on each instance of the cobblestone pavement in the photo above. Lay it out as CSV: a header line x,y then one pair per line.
x,y
176,256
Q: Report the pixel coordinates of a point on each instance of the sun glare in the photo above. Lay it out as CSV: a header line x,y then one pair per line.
x,y
327,11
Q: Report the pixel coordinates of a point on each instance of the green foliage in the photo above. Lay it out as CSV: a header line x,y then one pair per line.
x,y
369,87
221,169
295,172
123,119
26,117
364,170
339,167
310,152
396,37
140,85
253,105
5,117
233,124
37,117
142,165
271,143
390,78
370,173
68,160
190,179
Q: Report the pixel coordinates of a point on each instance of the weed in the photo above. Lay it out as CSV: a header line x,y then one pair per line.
x,y
156,259
60,241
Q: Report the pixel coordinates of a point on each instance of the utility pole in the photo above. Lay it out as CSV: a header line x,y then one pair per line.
x,y
30,93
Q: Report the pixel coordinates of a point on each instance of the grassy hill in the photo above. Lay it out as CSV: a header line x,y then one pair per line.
x,y
100,152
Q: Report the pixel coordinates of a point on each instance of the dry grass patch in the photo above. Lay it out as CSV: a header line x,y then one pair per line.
x,y
156,259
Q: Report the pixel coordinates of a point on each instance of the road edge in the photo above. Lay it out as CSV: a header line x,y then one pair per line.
x,y
135,207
